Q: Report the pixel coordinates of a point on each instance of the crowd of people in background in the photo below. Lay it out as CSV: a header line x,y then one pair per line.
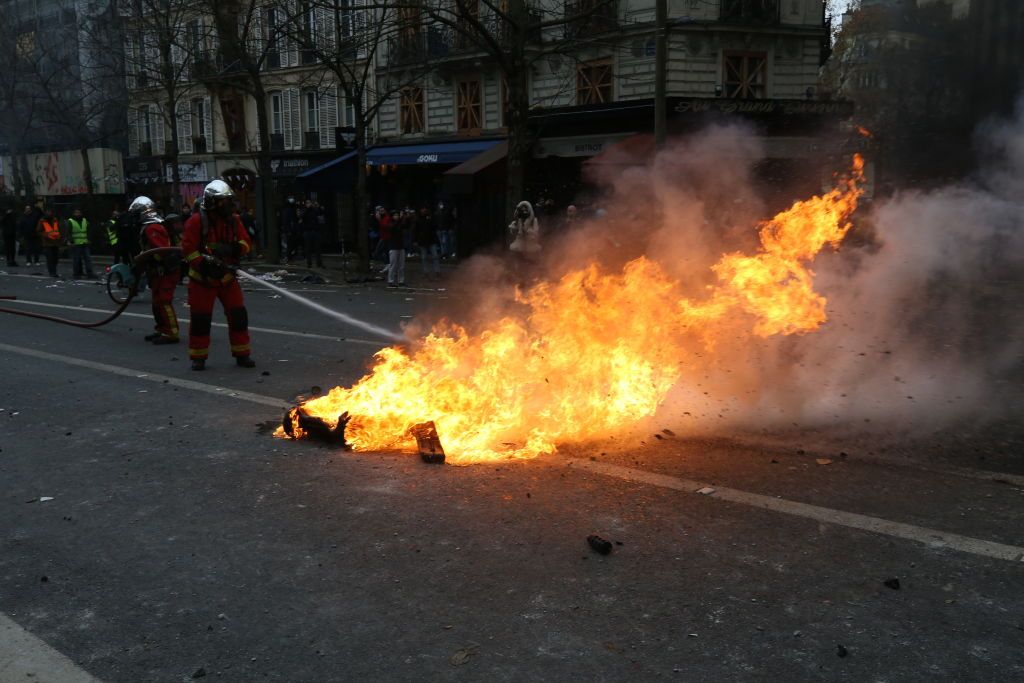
x,y
39,234
399,233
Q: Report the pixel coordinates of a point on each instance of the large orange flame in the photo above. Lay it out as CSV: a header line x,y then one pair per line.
x,y
593,353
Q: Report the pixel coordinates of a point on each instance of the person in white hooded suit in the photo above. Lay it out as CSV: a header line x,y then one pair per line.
x,y
524,231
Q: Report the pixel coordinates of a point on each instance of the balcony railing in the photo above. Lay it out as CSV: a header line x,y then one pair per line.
x,y
764,12
145,149
437,42
199,144
311,140
277,142
585,17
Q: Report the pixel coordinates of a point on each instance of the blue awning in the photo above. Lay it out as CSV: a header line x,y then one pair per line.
x,y
428,153
326,166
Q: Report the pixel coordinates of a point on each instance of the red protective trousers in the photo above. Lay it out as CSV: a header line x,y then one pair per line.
x,y
200,300
162,288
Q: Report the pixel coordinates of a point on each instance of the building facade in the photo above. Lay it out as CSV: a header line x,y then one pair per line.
x,y
592,85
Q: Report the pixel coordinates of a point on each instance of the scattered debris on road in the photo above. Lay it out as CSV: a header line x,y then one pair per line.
x,y
841,651
823,461
892,583
706,491
428,442
599,545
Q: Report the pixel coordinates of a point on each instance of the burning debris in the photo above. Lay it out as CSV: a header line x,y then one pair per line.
x,y
593,350
428,442
299,424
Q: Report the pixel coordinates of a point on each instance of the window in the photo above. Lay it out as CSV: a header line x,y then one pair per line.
x,y
311,111
274,56
145,126
411,109
348,116
346,19
468,107
198,109
745,75
194,38
276,114
594,82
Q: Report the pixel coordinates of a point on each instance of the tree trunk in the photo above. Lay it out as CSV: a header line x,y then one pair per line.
x,y
519,142
90,188
517,77
172,153
361,199
268,219
26,176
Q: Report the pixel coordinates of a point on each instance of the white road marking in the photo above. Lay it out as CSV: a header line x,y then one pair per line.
x,y
929,537
23,657
150,377
266,330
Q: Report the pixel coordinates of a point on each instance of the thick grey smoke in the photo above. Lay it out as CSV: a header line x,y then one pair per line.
x,y
925,319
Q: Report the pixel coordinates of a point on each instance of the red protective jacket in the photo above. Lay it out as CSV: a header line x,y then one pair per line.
x,y
228,240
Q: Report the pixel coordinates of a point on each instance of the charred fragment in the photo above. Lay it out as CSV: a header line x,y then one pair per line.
x,y
297,423
428,442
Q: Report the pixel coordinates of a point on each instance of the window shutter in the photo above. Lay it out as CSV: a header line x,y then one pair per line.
x,y
286,117
361,21
208,123
328,116
291,46
176,61
325,39
152,57
157,118
213,40
295,104
133,132
184,121
131,60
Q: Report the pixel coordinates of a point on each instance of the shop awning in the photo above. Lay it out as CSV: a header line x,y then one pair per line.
x,y
429,153
459,180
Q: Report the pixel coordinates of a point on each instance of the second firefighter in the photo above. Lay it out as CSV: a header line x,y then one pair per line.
x,y
213,244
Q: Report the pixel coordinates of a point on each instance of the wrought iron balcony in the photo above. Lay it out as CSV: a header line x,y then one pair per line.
x,y
585,17
763,12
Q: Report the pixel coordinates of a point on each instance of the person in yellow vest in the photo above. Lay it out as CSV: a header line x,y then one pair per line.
x,y
78,229
48,229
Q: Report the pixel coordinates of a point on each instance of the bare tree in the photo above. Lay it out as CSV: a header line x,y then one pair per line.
x,y
17,106
514,35
160,41
253,44
347,40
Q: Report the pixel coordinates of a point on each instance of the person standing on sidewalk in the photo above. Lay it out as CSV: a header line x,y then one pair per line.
x,y
78,229
214,242
396,251
110,228
311,235
426,239
48,230
28,227
10,233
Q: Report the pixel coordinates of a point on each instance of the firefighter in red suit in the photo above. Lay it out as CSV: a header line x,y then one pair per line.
x,y
214,242
163,273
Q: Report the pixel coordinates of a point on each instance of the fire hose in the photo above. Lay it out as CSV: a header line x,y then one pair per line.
x,y
138,265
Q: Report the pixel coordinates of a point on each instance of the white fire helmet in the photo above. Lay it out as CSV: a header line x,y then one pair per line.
x,y
151,217
141,204
215,190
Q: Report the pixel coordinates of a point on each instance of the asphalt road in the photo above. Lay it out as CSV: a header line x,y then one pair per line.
x,y
182,542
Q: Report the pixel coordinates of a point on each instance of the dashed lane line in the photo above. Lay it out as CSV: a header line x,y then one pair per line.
x,y
265,330
149,376
929,537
